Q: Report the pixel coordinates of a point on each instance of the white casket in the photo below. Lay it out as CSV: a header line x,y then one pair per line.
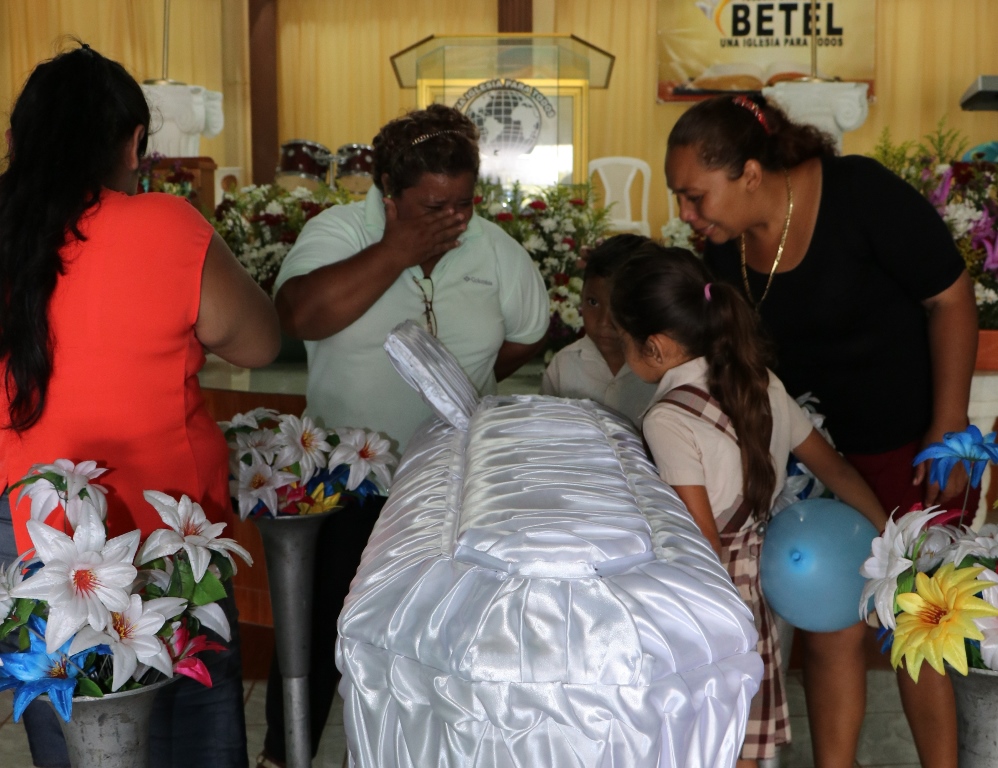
x,y
534,596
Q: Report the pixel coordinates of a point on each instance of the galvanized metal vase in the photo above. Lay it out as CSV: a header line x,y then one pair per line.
x,y
289,545
112,731
976,708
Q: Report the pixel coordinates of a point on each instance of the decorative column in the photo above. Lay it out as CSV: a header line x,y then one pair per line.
x,y
834,107
180,115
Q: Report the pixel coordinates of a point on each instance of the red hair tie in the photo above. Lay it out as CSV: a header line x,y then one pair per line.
x,y
746,103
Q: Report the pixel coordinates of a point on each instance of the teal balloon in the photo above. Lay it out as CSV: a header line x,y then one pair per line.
x,y
809,564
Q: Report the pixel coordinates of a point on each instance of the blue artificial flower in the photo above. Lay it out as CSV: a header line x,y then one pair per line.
x,y
341,474
969,447
886,636
34,672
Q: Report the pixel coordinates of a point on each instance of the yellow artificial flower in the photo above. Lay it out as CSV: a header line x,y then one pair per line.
x,y
936,617
320,502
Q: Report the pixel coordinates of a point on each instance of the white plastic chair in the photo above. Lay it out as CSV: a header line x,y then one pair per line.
x,y
617,175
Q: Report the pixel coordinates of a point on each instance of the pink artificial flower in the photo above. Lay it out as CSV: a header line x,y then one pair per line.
x,y
984,230
991,260
938,196
183,649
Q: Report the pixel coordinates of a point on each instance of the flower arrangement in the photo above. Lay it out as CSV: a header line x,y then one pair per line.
x,y
286,465
932,579
678,234
177,180
965,194
553,225
261,223
93,616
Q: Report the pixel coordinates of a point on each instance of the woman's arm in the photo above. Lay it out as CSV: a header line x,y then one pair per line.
x,y
841,477
333,297
236,319
952,318
698,503
512,356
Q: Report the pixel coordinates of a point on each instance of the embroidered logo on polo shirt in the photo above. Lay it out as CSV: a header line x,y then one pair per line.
x,y
480,281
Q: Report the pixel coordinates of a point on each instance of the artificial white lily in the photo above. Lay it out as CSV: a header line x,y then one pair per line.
x,y
983,544
935,547
262,445
131,636
302,442
10,577
188,529
364,452
889,559
249,419
258,482
45,497
84,578
213,617
989,624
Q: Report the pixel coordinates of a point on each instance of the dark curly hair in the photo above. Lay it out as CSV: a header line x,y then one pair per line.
x,y
661,290
437,139
727,134
67,133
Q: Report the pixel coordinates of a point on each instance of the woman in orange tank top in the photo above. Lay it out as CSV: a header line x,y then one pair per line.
x,y
109,302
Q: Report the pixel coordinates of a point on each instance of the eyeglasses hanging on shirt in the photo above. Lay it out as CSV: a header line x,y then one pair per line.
x,y
428,314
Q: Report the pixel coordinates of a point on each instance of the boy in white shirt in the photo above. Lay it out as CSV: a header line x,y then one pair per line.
x,y
593,367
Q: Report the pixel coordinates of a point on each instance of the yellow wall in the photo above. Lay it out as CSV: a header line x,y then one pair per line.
x,y
207,48
927,54
336,85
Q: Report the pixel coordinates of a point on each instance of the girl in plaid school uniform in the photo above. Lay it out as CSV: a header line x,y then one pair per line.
x,y
720,429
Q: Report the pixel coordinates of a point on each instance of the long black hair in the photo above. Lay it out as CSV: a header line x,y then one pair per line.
x,y
68,132
727,131
664,290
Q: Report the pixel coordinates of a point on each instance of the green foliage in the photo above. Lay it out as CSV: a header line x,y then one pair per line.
x,y
18,617
945,145
894,157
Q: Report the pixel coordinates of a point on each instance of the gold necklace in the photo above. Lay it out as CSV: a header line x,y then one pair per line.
x,y
779,251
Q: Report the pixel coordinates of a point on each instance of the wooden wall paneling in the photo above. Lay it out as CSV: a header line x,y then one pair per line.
x,y
263,88
516,16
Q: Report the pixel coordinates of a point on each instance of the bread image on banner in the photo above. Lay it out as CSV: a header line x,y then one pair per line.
x,y
707,46
747,75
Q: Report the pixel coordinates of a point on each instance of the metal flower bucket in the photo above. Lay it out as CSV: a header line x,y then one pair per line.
x,y
111,731
976,705
289,544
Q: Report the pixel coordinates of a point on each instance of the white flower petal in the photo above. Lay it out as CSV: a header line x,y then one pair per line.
x,y
213,617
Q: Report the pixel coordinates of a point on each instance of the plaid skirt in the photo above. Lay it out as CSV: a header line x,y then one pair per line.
x,y
769,718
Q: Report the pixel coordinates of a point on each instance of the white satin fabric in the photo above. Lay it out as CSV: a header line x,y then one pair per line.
x,y
435,373
533,595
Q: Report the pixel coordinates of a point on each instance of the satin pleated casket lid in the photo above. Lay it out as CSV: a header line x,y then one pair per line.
x,y
534,595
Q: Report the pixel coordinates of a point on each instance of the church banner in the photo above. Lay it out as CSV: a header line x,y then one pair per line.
x,y
717,46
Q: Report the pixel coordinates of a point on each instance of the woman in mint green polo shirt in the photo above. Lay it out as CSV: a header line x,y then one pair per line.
x,y
413,249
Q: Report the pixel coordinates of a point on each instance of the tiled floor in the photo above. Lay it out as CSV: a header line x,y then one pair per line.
x,y
14,744
885,741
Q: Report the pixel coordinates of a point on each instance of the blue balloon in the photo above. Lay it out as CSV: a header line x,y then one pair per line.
x,y
809,564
